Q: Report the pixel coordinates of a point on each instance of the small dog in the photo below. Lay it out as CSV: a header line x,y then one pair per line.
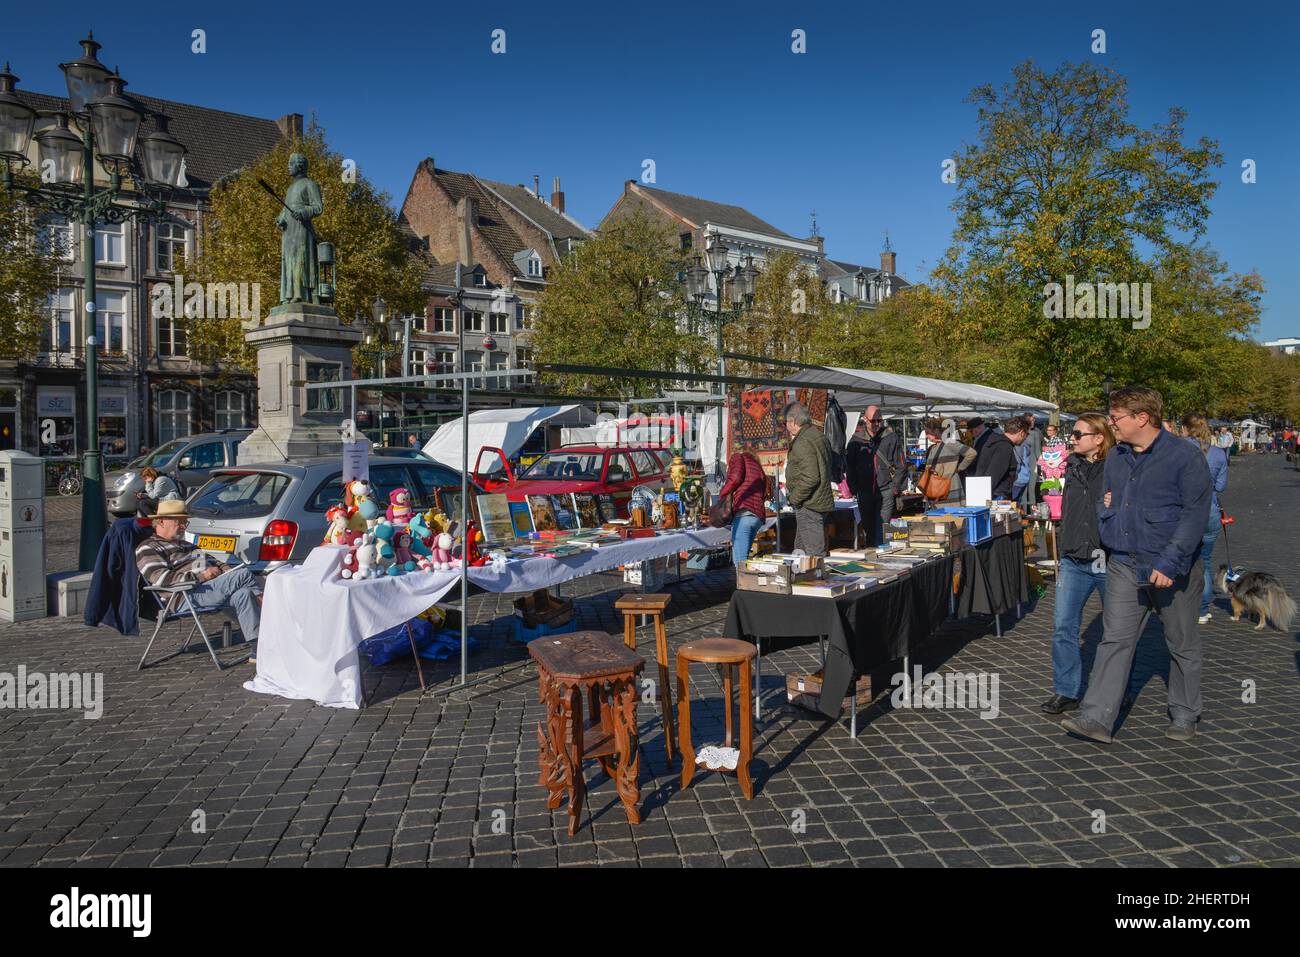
x,y
1257,593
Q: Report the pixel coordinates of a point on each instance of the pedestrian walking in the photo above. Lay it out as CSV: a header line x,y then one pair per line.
x,y
1154,508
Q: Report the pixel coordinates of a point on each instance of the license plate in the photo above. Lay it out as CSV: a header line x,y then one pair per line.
x,y
217,543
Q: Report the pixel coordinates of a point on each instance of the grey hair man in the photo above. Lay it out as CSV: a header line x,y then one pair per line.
x,y
808,478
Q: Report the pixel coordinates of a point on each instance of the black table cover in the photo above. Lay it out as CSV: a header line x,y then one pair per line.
x,y
993,577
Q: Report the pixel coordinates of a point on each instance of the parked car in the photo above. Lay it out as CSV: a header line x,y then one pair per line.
x,y
188,461
611,473
270,514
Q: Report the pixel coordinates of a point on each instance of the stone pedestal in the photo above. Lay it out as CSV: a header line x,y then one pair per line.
x,y
298,343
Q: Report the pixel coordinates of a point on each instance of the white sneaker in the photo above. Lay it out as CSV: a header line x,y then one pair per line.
x,y
1204,618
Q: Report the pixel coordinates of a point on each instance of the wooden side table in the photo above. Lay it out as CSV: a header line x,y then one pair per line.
x,y
597,666
654,606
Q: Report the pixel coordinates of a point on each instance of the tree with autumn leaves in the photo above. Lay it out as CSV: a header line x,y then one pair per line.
x,y
28,275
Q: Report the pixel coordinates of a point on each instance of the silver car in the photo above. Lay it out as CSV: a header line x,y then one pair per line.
x,y
188,462
267,515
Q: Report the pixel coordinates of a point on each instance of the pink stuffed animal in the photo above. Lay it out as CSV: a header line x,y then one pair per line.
x,y
441,557
399,506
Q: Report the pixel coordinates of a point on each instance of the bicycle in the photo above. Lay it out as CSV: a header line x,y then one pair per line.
x,y
67,478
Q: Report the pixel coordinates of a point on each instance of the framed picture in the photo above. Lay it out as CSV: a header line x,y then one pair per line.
x,y
521,519
542,512
584,503
608,509
494,519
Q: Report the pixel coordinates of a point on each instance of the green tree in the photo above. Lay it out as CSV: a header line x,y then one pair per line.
x,y
241,243
1060,183
28,275
616,303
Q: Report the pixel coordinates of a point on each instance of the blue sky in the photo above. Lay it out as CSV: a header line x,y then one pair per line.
x,y
856,128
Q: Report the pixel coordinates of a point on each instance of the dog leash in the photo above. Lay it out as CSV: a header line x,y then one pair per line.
x,y
1224,521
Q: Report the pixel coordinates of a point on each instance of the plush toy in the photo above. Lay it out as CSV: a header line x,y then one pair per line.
x,y
420,530
498,559
360,562
403,545
387,563
473,537
441,554
369,512
399,507
437,521
337,533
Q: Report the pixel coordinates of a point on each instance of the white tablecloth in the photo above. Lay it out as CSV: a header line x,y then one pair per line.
x,y
312,620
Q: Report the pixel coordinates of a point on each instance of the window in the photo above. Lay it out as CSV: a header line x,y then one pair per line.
x,y
442,320
324,400
687,241
473,321
523,357
56,421
620,470
230,410
474,363
576,466
246,495
8,418
499,322
110,244
417,363
173,415
172,238
500,362
110,321
431,478
446,360
646,464
480,279
209,455
534,266
63,309
525,315
57,237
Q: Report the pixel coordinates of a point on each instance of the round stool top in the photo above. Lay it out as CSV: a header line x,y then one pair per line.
x,y
720,651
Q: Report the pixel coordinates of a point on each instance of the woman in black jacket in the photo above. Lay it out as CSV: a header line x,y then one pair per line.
x,y
1083,563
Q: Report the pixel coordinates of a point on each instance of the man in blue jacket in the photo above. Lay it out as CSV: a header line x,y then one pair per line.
x,y
1155,503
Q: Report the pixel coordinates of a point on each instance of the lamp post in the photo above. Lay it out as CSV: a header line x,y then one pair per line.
x,y
109,124
741,280
1107,384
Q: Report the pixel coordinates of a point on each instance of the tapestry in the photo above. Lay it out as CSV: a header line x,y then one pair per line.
x,y
754,424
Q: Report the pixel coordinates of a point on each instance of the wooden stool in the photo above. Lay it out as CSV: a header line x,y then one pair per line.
x,y
596,663
727,652
632,605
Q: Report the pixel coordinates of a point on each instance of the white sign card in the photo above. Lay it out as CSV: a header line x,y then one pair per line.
x,y
356,459
979,490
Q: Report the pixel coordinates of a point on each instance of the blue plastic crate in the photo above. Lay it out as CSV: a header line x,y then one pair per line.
x,y
979,522
524,634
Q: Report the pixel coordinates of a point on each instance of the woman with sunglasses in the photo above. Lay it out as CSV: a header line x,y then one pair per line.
x,y
1083,563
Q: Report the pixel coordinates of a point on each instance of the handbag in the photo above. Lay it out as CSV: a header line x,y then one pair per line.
x,y
934,487
720,512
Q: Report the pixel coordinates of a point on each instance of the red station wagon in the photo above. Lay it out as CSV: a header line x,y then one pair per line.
x,y
611,473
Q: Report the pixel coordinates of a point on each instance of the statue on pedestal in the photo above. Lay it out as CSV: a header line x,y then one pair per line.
x,y
299,268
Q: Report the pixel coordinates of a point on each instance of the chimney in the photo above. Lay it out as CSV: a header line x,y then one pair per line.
x,y
557,197
466,215
290,126
537,186
888,258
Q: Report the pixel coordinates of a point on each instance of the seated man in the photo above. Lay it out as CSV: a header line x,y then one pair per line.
x,y
167,559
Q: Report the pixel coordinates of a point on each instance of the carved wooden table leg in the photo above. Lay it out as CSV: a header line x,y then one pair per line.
x,y
665,685
572,758
551,741
684,721
622,706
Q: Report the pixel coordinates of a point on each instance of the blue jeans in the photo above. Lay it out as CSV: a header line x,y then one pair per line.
x,y
1074,584
1212,530
744,526
236,589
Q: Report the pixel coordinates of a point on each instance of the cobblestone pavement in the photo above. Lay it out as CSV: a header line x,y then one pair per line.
x,y
451,779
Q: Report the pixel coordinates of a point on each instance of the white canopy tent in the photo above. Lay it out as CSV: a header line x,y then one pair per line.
x,y
941,396
505,429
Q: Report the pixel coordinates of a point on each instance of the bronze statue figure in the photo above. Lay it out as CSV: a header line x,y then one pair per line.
x,y
299,269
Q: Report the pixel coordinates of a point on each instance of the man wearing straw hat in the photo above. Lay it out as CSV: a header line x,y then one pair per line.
x,y
167,559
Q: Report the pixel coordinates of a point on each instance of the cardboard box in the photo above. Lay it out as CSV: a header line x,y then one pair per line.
x,y
805,691
771,574
946,531
540,608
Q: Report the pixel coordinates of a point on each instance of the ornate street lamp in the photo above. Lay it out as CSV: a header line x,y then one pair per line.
x,y
109,124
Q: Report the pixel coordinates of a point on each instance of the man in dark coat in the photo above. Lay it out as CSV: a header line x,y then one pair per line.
x,y
876,472
995,455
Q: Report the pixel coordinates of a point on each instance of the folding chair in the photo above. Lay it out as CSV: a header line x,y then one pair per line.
x,y
174,604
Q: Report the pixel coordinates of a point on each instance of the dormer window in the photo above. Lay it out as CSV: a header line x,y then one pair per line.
x,y
480,278
835,292
529,263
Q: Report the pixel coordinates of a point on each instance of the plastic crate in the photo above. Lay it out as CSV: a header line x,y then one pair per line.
x,y
979,523
524,634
